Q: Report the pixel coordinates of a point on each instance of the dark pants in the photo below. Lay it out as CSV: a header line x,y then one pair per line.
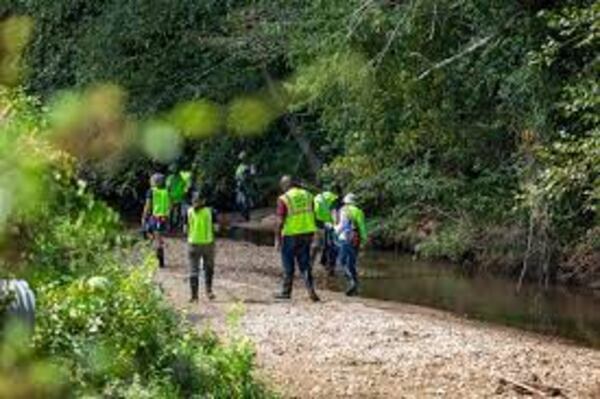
x,y
295,250
243,201
207,254
177,216
324,244
348,259
330,252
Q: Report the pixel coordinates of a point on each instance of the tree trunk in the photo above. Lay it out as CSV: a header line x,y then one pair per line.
x,y
295,129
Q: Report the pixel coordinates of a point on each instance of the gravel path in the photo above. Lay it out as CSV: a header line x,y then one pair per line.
x,y
363,348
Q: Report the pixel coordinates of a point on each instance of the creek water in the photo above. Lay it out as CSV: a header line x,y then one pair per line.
x,y
558,311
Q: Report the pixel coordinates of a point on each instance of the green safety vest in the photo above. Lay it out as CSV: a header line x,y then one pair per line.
x,y
357,217
323,204
176,185
186,176
160,202
200,226
242,171
300,217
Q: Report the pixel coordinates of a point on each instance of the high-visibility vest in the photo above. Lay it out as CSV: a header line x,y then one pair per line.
x,y
300,217
200,226
186,175
323,204
176,187
160,202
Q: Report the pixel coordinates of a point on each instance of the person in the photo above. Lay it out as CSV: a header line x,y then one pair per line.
x,y
176,185
188,189
294,234
200,237
352,233
156,213
326,205
243,186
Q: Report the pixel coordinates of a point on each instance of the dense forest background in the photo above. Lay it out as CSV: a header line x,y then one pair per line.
x,y
469,129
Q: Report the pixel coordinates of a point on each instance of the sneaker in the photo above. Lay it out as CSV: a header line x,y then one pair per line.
x,y
210,296
352,291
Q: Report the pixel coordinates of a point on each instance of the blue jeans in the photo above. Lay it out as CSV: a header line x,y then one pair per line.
x,y
296,250
348,259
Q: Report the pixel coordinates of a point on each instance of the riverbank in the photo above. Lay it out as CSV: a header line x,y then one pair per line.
x,y
371,349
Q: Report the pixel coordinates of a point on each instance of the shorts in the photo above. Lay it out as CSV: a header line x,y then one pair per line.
x,y
157,224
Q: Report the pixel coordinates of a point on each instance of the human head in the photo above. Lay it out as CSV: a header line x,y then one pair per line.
x,y
198,199
349,198
242,156
286,182
157,180
173,168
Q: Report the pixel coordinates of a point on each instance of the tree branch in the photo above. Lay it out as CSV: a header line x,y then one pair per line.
x,y
473,47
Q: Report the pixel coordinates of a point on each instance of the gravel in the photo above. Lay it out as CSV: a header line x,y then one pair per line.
x,y
371,349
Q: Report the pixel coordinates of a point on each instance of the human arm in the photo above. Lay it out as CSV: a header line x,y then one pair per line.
x,y
362,229
215,219
281,215
147,207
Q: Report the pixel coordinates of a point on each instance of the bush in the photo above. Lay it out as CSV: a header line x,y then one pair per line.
x,y
101,323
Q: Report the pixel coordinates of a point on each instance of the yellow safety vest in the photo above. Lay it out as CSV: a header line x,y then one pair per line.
x,y
200,226
300,217
160,202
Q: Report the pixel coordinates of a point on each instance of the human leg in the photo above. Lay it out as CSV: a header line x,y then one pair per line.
x,y
208,259
194,264
287,261
349,259
302,255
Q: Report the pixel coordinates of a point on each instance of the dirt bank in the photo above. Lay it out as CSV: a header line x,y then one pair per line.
x,y
370,349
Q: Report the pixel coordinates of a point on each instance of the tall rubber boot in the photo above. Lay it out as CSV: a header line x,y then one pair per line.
x,y
208,279
160,254
286,289
194,289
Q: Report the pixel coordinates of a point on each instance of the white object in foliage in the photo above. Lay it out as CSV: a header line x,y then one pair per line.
x,y
22,306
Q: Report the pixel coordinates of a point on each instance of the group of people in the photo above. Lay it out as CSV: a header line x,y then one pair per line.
x,y
308,226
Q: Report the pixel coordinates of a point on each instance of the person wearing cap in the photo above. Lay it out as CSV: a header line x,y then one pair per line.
x,y
352,233
243,196
156,214
294,235
201,238
326,205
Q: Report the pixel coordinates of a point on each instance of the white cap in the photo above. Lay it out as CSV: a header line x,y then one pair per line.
x,y
349,199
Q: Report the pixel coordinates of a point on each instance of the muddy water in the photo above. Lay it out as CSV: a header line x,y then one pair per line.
x,y
569,313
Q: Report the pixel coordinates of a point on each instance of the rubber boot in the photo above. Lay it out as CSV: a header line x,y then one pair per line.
x,y
194,289
286,289
208,277
310,287
160,254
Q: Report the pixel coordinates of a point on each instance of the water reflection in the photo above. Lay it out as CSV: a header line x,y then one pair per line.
x,y
559,311
569,313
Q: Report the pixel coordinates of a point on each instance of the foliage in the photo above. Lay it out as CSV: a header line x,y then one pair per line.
x,y
103,327
475,113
